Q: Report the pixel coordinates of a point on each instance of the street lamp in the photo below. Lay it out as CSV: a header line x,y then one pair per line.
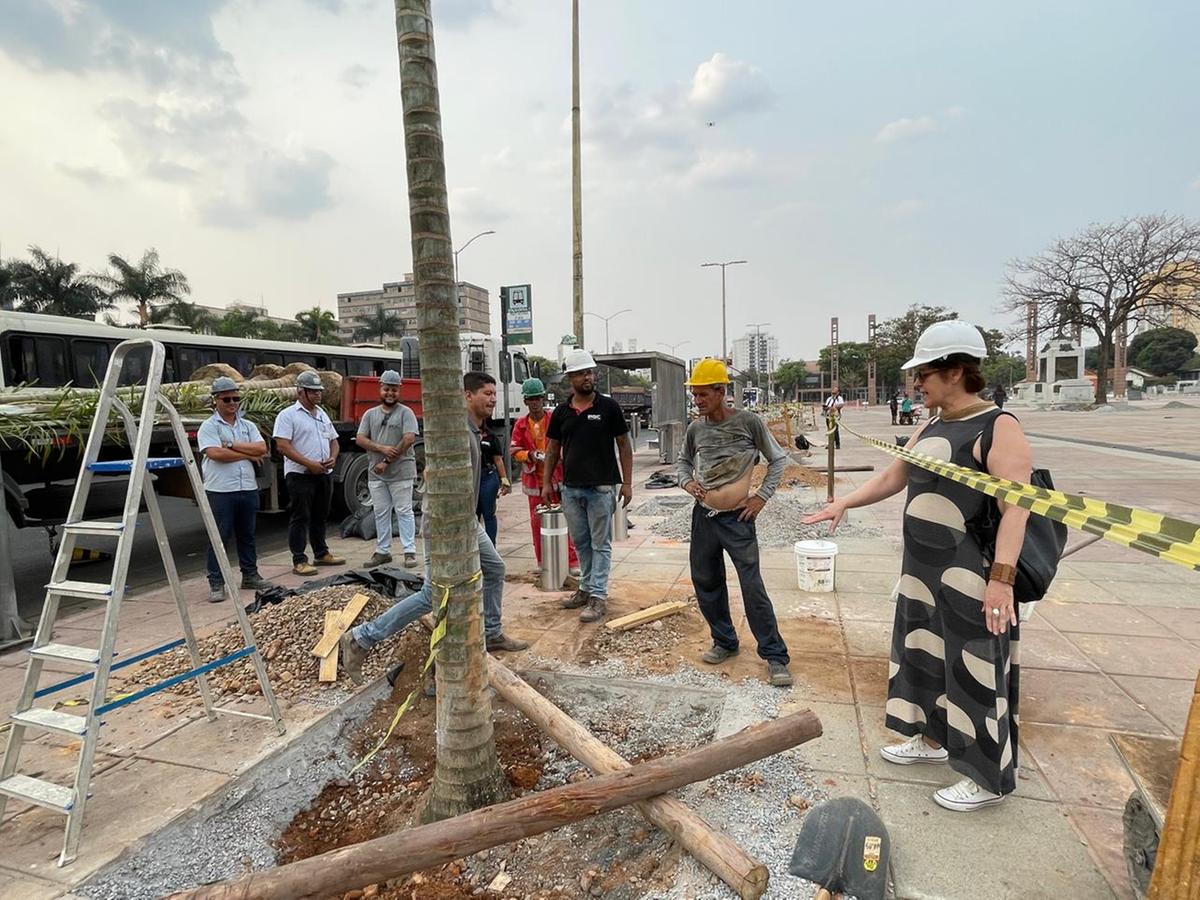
x,y
606,320
732,262
672,347
758,355
457,283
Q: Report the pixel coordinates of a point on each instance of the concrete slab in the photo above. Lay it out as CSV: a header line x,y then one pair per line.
x,y
1104,833
1181,596
633,570
1047,649
1100,618
861,562
879,583
1167,699
870,680
867,608
839,748
821,677
1103,572
868,638
876,735
1183,622
227,746
1077,590
1082,698
801,604
1080,763
810,635
942,854
20,888
1127,655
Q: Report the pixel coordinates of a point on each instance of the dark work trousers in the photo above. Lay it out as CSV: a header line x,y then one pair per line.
x,y
309,498
723,532
489,491
236,513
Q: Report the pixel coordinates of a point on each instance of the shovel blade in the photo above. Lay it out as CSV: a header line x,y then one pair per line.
x,y
844,847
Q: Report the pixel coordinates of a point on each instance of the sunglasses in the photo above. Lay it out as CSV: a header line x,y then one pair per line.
x,y
230,399
924,372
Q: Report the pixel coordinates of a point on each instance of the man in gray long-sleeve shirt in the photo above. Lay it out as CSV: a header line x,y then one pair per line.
x,y
715,466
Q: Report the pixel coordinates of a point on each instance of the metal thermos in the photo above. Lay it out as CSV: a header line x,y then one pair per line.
x,y
620,526
554,546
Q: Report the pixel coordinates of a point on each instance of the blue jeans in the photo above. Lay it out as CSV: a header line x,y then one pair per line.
x,y
723,532
589,513
236,513
412,607
489,490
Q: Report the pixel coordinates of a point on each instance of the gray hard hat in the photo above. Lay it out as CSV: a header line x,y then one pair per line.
x,y
224,383
310,381
391,376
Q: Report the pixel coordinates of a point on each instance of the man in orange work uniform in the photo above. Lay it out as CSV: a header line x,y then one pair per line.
x,y
529,449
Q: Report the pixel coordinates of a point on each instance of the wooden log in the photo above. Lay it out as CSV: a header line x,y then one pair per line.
x,y
713,849
328,668
345,619
442,842
649,614
1177,866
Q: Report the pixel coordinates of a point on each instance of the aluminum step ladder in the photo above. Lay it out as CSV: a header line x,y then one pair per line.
x,y
97,662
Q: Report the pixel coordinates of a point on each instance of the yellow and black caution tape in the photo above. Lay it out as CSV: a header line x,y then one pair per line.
x,y
435,641
1174,540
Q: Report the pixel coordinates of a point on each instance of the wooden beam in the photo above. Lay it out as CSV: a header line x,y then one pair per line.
x,y
1177,866
329,661
425,846
345,619
649,614
715,850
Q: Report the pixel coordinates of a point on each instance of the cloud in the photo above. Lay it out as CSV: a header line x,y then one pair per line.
x,y
723,86
92,176
905,208
724,169
474,205
460,15
286,187
904,129
357,76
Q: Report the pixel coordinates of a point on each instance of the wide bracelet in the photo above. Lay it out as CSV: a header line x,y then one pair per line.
x,y
1003,573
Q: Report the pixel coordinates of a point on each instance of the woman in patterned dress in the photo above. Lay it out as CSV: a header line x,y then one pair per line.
x,y
954,671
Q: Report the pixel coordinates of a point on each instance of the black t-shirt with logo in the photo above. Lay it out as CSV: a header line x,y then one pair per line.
x,y
489,448
589,457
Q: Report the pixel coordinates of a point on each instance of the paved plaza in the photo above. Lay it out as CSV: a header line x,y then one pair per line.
x,y
1114,648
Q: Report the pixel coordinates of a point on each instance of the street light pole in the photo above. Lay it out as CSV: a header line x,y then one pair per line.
x,y
732,262
576,181
457,283
672,347
606,320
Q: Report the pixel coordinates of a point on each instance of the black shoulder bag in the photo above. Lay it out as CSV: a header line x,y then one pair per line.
x,y
1044,538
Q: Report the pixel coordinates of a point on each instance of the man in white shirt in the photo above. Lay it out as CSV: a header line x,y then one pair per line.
x,y
309,444
231,446
833,412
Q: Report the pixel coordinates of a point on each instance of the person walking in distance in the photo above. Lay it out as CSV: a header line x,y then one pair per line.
x,y
494,481
232,448
529,449
387,432
582,432
894,406
309,444
479,390
715,466
999,396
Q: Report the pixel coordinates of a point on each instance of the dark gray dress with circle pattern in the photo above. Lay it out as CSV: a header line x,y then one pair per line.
x,y
949,677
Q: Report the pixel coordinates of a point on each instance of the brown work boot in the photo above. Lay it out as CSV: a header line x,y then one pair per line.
x,y
330,560
304,568
577,600
504,642
353,656
597,608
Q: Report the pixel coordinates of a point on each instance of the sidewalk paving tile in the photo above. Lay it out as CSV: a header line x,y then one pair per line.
x,y
870,679
1074,590
867,608
1100,618
800,604
820,676
807,635
28,889
1044,649
880,584
1104,831
1082,698
639,571
839,748
1183,622
861,563
1141,573
1155,657
1081,764
869,638
1179,596
1168,699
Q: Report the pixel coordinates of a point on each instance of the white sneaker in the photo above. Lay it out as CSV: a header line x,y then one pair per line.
x,y
914,750
966,796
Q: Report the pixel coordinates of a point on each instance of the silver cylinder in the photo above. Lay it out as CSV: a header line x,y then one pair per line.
x,y
620,524
554,547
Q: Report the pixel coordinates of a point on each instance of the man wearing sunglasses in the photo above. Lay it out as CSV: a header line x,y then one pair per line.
x,y
231,446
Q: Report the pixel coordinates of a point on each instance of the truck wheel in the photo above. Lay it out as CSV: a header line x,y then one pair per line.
x,y
351,494
1141,844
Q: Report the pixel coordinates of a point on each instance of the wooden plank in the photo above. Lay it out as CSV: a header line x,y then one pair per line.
x,y
1177,866
330,660
345,619
412,849
649,614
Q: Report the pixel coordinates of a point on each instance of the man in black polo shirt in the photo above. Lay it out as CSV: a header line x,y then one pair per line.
x,y
582,432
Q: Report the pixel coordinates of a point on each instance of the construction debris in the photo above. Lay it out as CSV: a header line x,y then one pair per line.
x,y
650,614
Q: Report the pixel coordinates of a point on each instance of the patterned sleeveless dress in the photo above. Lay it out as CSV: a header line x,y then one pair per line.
x,y
949,677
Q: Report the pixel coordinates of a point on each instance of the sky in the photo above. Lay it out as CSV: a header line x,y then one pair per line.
x,y
861,157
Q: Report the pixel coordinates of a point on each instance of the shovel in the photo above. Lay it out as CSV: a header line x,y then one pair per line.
x,y
844,848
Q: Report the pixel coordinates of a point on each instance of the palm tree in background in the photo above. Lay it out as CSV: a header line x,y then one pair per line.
x,y
145,283
381,325
318,325
8,284
244,323
467,774
186,313
46,284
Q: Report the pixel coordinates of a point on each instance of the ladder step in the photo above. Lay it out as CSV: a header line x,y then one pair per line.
x,y
43,793
51,720
80,589
96,528
66,653
119,466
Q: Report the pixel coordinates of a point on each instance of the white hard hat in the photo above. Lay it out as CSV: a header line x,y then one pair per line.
x,y
578,361
941,339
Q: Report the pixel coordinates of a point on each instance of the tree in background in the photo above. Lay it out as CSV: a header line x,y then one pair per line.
x,y
789,377
852,364
46,284
895,339
8,284
145,283
1110,276
380,325
467,774
318,326
244,323
1162,351
185,313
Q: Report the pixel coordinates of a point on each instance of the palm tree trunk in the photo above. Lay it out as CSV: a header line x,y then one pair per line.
x,y
468,773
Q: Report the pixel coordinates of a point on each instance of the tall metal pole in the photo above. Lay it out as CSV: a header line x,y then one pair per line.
x,y
576,177
732,262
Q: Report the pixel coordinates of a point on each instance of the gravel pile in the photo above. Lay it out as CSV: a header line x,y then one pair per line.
x,y
779,524
286,633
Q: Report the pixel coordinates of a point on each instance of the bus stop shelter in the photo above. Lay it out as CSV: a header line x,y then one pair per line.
x,y
668,397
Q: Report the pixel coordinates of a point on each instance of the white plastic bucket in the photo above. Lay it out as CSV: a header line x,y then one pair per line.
x,y
815,565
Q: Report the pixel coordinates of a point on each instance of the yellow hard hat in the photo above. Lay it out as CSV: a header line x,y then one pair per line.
x,y
708,371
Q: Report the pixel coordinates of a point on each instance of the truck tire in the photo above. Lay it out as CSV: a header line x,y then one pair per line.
x,y
351,494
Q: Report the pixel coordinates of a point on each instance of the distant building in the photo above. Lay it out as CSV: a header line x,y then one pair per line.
x,y
756,352
356,308
633,345
263,315
618,347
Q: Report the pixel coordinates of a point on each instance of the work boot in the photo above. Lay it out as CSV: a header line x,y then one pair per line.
x,y
578,599
779,676
503,642
717,654
255,582
377,559
304,567
328,559
596,609
216,594
410,560
353,656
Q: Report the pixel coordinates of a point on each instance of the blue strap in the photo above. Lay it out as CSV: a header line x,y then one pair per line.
x,y
88,676
162,685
